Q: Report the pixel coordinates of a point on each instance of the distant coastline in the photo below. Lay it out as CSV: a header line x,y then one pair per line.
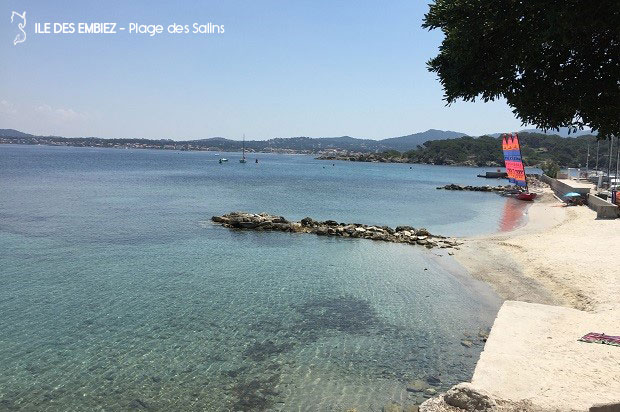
x,y
434,147
399,158
293,145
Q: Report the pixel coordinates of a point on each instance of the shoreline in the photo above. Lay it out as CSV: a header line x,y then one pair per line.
x,y
557,276
552,258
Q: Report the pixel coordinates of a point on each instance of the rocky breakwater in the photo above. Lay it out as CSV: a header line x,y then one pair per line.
x,y
401,234
495,189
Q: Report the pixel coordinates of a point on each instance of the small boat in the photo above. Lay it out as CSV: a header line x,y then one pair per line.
x,y
223,159
242,160
527,196
256,161
515,168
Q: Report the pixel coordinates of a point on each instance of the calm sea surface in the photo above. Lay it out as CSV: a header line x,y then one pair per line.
x,y
117,293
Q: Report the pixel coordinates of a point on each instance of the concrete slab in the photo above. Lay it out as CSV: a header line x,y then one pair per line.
x,y
562,186
533,353
575,184
603,208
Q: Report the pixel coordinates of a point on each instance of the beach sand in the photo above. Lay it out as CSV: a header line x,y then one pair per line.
x,y
563,261
561,256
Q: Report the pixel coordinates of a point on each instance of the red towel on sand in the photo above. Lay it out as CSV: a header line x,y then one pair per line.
x,y
601,338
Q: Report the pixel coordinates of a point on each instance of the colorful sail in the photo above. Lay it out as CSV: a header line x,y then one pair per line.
x,y
513,161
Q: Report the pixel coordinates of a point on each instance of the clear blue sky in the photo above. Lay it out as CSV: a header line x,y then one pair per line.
x,y
282,68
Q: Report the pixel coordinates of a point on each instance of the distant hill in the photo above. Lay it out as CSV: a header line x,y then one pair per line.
x,y
412,141
315,144
536,148
431,146
13,133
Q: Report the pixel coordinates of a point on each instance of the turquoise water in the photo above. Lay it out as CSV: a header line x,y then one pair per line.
x,y
118,293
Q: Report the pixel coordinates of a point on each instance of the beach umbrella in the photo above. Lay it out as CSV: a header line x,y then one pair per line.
x,y
572,194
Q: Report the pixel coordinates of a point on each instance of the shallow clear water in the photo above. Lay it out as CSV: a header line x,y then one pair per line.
x,y
117,293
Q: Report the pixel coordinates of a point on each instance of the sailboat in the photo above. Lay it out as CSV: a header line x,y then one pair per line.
x,y
242,160
514,166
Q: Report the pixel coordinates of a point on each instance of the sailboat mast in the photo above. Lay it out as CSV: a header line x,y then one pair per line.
x,y
527,189
244,145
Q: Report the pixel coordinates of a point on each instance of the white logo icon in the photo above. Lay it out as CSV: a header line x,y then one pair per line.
x,y
21,37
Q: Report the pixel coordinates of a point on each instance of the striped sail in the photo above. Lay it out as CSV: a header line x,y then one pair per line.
x,y
512,159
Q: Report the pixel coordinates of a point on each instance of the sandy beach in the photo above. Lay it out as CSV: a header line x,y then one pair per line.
x,y
561,256
563,262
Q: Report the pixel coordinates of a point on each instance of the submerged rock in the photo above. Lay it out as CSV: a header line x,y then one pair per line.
x,y
417,385
392,407
433,380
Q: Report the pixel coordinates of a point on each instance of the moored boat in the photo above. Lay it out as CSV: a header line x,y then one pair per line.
x,y
515,168
527,196
242,160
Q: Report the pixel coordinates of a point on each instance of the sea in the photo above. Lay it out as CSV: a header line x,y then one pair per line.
x,y
118,293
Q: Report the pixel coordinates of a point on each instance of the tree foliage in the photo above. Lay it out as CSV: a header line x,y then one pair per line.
x,y
550,168
557,63
536,148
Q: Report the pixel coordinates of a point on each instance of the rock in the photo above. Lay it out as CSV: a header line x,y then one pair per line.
x,y
307,221
411,408
248,225
467,343
417,385
483,335
403,228
433,380
430,391
467,397
392,407
267,222
321,231
605,407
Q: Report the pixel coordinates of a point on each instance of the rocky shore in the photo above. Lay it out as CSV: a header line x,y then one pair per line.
x,y
363,157
398,158
400,234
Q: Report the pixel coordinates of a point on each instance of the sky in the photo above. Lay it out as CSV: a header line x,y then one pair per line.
x,y
281,68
